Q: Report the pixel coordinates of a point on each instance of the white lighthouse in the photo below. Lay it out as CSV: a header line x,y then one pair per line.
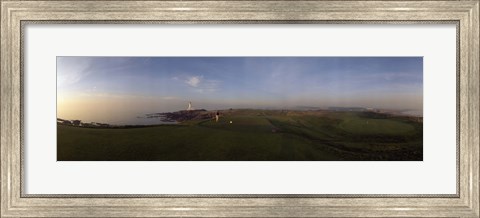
x,y
190,106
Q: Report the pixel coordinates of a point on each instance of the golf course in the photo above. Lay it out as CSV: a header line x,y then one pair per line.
x,y
251,135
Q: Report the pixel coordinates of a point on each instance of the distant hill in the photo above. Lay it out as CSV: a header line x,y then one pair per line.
x,y
347,109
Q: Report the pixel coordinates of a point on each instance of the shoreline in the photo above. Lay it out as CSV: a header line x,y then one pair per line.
x,y
178,117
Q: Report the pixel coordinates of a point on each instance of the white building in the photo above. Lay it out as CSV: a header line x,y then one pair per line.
x,y
190,107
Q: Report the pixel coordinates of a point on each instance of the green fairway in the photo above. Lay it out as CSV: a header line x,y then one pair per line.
x,y
251,135
360,125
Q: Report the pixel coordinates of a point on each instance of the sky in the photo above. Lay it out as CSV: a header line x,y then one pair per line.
x,y
94,88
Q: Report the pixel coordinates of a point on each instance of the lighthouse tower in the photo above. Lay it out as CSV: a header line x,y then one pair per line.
x,y
190,106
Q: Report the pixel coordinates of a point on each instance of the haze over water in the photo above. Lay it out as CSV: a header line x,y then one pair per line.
x,y
122,90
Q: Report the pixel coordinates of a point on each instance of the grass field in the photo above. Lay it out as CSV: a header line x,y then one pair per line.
x,y
252,135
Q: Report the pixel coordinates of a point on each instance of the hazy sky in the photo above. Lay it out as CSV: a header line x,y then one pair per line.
x,y
116,86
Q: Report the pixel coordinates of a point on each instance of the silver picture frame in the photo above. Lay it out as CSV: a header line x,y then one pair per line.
x,y
16,14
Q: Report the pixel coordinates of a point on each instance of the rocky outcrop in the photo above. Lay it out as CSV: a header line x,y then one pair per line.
x,y
184,115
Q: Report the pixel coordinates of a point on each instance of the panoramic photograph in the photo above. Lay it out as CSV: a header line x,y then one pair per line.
x,y
239,108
